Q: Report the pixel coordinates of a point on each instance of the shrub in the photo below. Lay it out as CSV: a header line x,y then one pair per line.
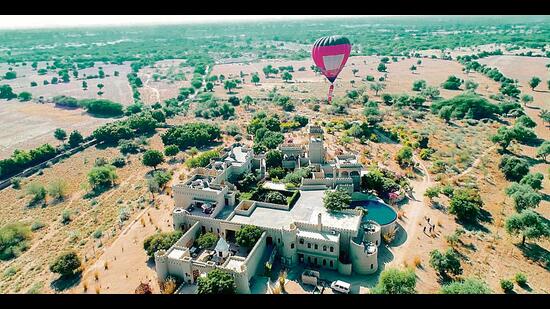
x,y
152,158
277,172
16,182
404,156
534,180
191,134
452,83
118,162
203,159
129,146
57,189
102,177
37,191
275,198
75,138
14,238
469,103
65,101
66,217
521,279
468,286
506,285
37,225
66,264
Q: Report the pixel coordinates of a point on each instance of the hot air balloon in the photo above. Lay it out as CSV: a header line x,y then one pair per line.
x,y
330,54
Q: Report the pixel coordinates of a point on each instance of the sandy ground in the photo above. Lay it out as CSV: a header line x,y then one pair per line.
x,y
166,87
26,125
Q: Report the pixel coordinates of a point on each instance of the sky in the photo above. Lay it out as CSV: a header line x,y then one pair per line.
x,y
55,21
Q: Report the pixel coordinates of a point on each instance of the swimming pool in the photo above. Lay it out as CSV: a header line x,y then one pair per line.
x,y
376,211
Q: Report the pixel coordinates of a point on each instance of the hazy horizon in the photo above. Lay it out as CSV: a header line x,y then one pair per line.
x,y
15,22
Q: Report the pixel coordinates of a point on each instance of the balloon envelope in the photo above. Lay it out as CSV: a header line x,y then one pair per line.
x,y
330,54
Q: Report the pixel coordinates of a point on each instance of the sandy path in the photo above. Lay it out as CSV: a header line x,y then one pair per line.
x,y
475,164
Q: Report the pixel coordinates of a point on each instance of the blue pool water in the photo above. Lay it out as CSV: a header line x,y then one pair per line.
x,y
378,212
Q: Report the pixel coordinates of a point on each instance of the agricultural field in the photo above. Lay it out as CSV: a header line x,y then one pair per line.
x,y
397,92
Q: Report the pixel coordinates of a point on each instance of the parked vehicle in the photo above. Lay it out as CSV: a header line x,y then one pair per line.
x,y
341,286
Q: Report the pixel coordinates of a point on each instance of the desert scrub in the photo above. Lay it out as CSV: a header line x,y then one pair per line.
x,y
66,217
14,240
16,183
36,225
521,279
97,234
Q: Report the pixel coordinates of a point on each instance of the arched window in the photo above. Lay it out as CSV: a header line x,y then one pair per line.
x,y
331,249
301,241
316,246
324,248
331,264
324,262
292,246
309,245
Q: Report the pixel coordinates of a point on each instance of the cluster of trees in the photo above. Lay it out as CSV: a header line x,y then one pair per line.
x,y
381,181
6,92
216,282
520,132
66,264
135,82
266,131
191,134
22,159
209,107
468,105
298,121
248,235
160,241
102,107
396,281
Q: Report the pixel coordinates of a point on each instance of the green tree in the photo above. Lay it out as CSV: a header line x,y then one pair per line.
x,y
207,240
528,224
228,85
66,264
10,75
275,198
506,285
430,92
376,87
335,200
447,263
452,83
395,281
525,121
85,85
6,92
160,241
534,82
216,282
152,158
419,85
445,113
60,134
470,85
526,99
286,76
248,235
255,79
382,67
544,150
466,204
503,137
24,96
273,158
102,177
534,180
524,196
209,86
513,168
75,138
467,286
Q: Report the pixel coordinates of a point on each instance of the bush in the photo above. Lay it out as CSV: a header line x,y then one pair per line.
x,y
521,279
277,172
66,264
275,198
171,150
207,240
404,156
524,196
514,168
14,238
445,263
16,182
57,189
533,180
160,241
152,158
66,217
118,162
37,225
506,285
102,107
65,101
102,177
37,191
203,159
129,146
75,138
248,235
113,132
469,104
452,83
395,281
468,286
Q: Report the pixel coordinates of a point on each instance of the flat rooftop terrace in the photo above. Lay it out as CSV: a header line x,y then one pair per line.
x,y
306,209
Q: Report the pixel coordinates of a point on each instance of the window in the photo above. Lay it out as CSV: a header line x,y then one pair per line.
x,y
371,266
331,264
309,259
324,248
331,249
218,231
324,262
308,245
316,247
292,246
316,261
278,240
301,241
